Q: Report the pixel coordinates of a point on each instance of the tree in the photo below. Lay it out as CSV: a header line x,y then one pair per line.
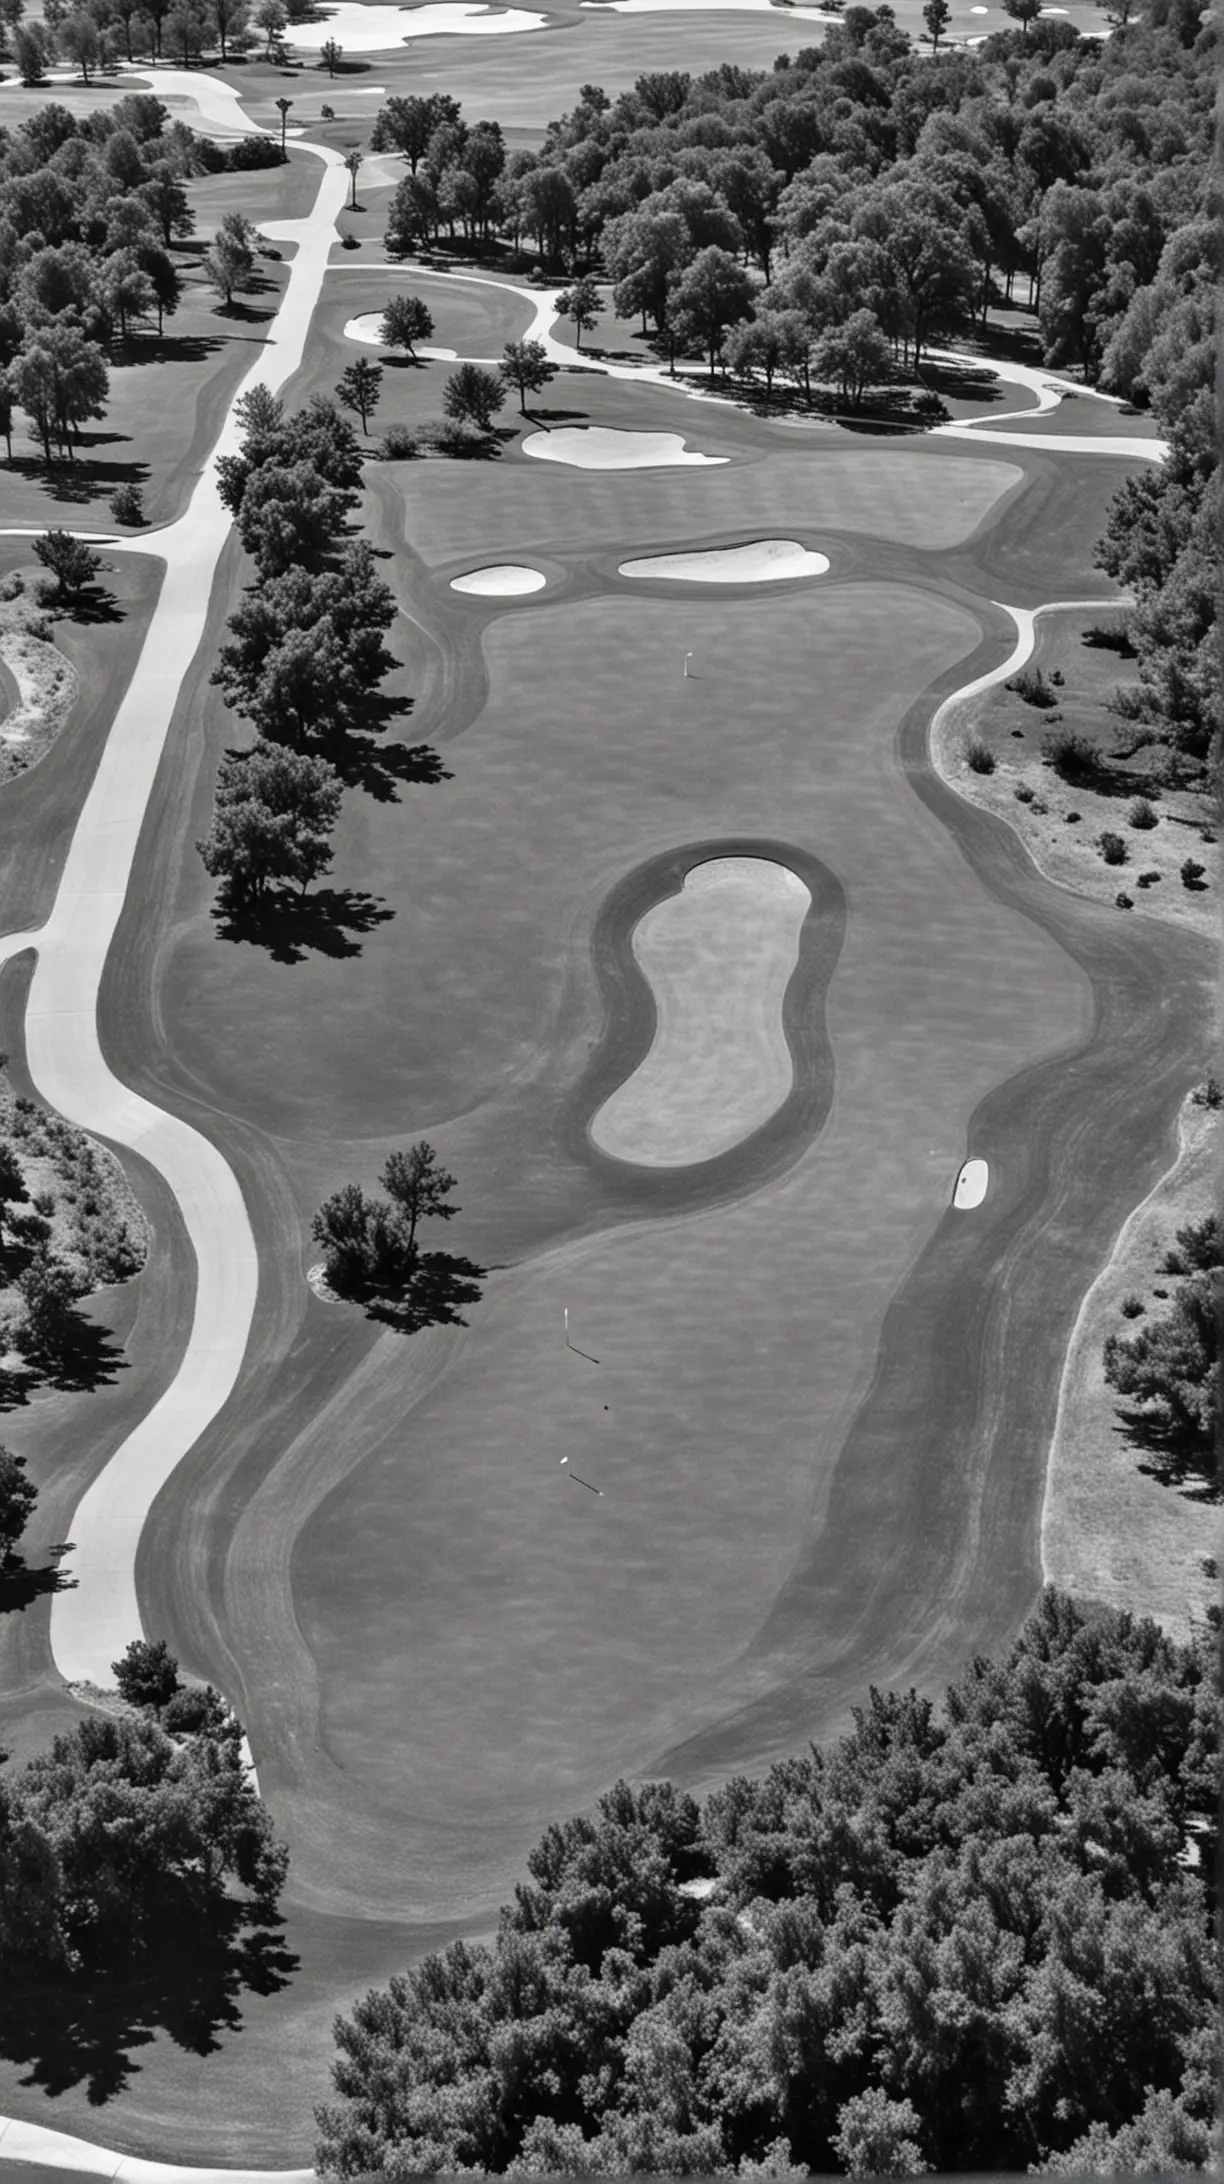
x,y
31,51
81,43
283,106
525,365
854,356
232,20
413,214
272,17
126,289
228,263
48,1291
877,2136
937,15
1170,1369
146,1674
331,56
407,125
6,414
18,1498
71,562
358,388
710,296
340,616
1024,12
186,31
405,321
14,1190
59,379
418,1189
167,200
474,394
581,304
275,809
353,162
771,342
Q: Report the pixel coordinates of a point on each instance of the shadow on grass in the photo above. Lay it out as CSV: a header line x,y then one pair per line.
x,y
1173,1459
76,481
292,927
20,1584
83,2029
441,1284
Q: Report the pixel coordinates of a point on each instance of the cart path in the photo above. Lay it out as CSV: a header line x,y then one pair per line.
x,y
91,1624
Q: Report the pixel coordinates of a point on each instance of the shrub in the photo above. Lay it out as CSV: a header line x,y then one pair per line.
x,y
1018,732
1058,678
1141,816
350,242
455,436
252,151
1192,874
1073,818
1124,902
1112,847
978,756
399,444
1131,1307
1149,879
1031,685
1208,1094
1024,795
127,504
1074,757
327,113
147,1674
1039,808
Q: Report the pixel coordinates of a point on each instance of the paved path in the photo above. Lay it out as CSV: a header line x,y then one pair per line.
x,y
35,2144
91,1624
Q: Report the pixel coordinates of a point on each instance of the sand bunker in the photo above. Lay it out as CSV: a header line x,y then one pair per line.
x,y
366,328
765,561
602,447
971,1185
718,957
502,580
707,7
375,29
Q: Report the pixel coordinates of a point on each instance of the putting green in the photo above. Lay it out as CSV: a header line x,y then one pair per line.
x,y
717,957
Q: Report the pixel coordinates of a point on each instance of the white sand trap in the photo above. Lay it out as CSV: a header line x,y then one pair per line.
x,y
37,2143
502,580
366,328
718,958
602,447
377,29
765,561
971,1185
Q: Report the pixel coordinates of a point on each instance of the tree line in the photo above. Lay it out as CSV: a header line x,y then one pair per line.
x,y
973,1938
1168,1370
92,208
834,217
93,35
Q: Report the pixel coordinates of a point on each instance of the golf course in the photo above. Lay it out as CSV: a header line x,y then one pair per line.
x,y
662,912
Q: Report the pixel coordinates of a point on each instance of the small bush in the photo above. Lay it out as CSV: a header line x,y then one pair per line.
x,y
1018,732
1031,685
1192,874
1124,902
1112,847
1161,1293
1073,757
127,504
1058,678
13,586
1149,879
251,152
1141,816
327,113
1073,818
455,436
1024,795
1039,808
44,1202
350,242
978,756
1132,1307
399,444
1208,1094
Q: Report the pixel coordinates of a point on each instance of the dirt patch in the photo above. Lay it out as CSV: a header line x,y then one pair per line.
x,y
44,688
1111,1530
1062,823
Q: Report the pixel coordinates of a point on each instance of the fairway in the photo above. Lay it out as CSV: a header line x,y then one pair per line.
x,y
792,1107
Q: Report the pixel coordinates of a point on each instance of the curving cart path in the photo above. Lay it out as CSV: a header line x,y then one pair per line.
x,y
90,1624
34,2144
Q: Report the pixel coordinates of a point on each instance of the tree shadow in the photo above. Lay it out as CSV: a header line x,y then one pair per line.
x,y
76,1357
1175,1459
83,2028
291,927
441,1284
1101,639
248,313
93,605
554,416
20,1584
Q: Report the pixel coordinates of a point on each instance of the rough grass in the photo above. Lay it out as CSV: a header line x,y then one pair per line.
x,y
1025,790
97,1227
1112,1531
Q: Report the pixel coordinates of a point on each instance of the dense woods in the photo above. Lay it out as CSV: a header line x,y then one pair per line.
x,y
972,1937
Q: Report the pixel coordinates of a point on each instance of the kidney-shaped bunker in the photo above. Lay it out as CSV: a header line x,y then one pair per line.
x,y
761,561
